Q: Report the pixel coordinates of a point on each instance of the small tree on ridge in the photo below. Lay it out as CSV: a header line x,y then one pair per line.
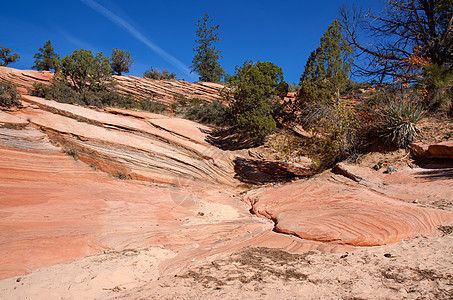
x,y
87,72
46,59
7,57
327,69
121,61
205,62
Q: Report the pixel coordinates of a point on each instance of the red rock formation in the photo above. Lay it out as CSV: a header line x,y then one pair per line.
x,y
55,208
165,91
24,79
183,194
345,212
441,150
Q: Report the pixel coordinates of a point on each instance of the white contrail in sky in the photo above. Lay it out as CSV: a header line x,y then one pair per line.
x,y
138,35
72,39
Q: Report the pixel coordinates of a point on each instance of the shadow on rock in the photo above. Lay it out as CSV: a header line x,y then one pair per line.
x,y
263,172
230,139
435,169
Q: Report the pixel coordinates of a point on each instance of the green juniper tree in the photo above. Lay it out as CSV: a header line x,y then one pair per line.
x,y
205,62
255,86
46,59
327,70
6,57
121,61
87,72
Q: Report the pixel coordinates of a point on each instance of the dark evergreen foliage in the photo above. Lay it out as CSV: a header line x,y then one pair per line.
x,y
46,59
121,61
206,60
7,57
255,86
326,73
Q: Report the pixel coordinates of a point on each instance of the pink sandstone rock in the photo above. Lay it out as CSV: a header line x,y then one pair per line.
x,y
55,208
323,209
418,149
165,91
441,150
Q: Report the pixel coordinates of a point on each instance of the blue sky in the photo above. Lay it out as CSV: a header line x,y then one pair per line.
x,y
161,34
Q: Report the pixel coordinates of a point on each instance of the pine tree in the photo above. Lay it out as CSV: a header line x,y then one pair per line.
x,y
327,69
7,57
205,62
46,59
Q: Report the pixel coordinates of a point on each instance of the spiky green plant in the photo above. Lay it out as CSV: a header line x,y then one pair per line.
x,y
397,121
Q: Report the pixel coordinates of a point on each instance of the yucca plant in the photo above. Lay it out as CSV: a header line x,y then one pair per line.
x,y
397,121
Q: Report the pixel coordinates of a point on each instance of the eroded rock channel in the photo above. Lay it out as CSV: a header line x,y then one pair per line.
x,y
76,181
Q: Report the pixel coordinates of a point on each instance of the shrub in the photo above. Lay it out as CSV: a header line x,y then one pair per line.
x,y
397,121
8,95
156,74
214,113
153,106
335,128
181,99
39,90
60,91
438,84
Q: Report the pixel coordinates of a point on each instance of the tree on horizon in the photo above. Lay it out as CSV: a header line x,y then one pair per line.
x,y
86,72
121,61
327,69
46,59
206,61
7,57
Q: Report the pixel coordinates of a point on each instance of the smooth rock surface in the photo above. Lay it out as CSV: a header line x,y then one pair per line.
x,y
441,150
343,212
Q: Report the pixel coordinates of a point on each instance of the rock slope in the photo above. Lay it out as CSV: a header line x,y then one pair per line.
x,y
332,208
76,181
166,91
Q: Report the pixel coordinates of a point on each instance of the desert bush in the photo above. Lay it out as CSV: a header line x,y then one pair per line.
x,y
153,106
60,91
156,74
438,84
397,119
214,113
8,95
334,129
181,100
39,90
